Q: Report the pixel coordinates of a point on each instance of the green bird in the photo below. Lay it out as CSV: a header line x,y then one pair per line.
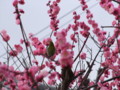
x,y
50,49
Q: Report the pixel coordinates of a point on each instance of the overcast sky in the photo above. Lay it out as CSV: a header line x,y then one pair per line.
x,y
36,17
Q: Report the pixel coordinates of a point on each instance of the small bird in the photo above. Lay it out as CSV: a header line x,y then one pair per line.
x,y
50,50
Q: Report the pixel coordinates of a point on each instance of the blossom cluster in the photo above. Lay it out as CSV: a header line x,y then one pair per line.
x,y
38,67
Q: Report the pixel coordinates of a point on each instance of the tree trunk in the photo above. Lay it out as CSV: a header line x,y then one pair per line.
x,y
67,76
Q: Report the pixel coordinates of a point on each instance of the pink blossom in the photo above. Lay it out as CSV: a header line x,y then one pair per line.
x,y
41,49
58,1
3,88
106,49
69,46
83,55
35,52
24,87
75,27
91,83
5,36
35,61
112,84
31,35
33,70
94,24
42,74
90,21
1,77
102,78
4,71
65,62
104,88
101,38
22,2
61,34
89,16
50,65
60,43
13,53
66,58
18,21
53,25
66,54
53,75
47,41
73,38
21,41
76,17
84,33
116,11
18,48
116,33
20,83
96,31
111,41
55,10
51,81
103,2
35,42
15,3
84,7
42,66
84,26
21,11
109,7
114,23
107,54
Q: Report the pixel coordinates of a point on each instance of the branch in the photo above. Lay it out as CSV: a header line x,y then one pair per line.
x,y
100,72
116,1
89,70
24,36
102,82
81,48
81,73
13,52
110,27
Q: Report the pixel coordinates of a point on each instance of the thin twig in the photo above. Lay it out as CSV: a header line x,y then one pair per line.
x,y
116,1
102,82
23,34
81,48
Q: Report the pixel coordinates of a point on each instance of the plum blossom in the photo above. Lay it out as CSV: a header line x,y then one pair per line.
x,y
17,21
33,70
13,53
35,61
83,55
47,41
18,48
5,36
41,76
15,3
53,12
73,38
66,58
51,81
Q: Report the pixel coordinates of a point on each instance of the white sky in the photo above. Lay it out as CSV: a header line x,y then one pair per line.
x,y
36,17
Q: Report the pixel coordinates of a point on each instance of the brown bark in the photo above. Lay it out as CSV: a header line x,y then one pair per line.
x,y
67,76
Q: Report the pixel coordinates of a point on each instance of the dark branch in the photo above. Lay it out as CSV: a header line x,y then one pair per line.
x,y
110,27
116,1
102,82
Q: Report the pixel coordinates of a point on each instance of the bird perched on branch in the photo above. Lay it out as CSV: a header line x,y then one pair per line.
x,y
50,50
